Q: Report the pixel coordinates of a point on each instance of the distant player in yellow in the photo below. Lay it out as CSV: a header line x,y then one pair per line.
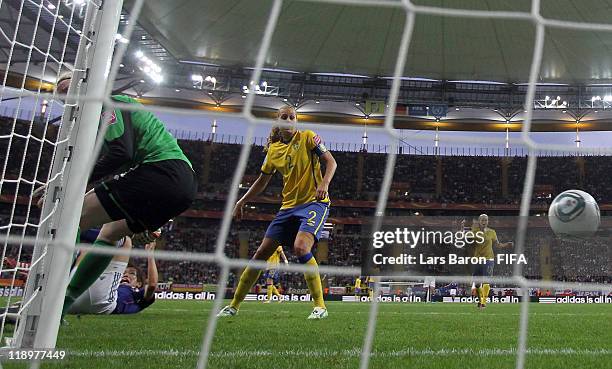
x,y
485,249
297,156
370,280
357,287
271,274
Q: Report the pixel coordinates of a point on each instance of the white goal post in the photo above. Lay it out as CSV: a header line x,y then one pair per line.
x,y
38,318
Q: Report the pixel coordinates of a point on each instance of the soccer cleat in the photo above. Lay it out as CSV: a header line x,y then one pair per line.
x,y
267,301
318,313
227,311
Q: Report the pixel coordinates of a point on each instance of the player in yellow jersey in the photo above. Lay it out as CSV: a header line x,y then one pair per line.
x,y
370,280
271,274
297,156
357,287
485,249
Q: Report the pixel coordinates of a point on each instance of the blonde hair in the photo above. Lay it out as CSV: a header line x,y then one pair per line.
x,y
63,76
273,137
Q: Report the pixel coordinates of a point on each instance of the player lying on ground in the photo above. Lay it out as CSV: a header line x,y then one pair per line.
x,y
271,274
118,290
305,206
153,182
485,249
121,288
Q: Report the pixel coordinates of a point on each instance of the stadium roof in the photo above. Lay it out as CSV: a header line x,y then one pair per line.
x,y
330,60
364,40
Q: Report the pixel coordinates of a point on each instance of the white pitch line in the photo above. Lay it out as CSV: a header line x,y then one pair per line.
x,y
349,353
475,312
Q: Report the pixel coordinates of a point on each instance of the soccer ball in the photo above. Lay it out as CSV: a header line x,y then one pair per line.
x,y
574,213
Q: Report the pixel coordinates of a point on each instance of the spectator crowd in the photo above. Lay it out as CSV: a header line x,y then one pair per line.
x,y
418,179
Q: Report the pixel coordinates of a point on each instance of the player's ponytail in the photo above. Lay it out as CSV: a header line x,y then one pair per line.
x,y
274,136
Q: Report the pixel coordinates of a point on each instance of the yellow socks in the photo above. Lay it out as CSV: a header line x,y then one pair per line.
x,y
247,280
486,288
313,280
483,293
269,289
275,291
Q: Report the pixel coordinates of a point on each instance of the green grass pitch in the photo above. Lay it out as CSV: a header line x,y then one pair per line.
x,y
168,336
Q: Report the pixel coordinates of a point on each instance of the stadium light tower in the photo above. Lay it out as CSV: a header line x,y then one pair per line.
x,y
507,134
577,141
437,137
213,130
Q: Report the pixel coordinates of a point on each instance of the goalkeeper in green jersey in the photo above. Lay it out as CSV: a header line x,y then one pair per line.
x,y
144,180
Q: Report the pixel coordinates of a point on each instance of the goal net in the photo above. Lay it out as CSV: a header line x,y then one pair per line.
x,y
48,133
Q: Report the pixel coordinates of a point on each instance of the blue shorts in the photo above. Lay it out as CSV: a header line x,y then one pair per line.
x,y
484,270
272,274
306,218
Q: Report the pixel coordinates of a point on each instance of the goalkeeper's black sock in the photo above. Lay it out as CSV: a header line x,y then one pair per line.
x,y
89,269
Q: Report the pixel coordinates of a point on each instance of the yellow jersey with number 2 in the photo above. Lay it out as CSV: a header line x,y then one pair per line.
x,y
485,249
298,162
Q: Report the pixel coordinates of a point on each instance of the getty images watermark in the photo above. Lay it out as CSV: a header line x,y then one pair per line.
x,y
397,246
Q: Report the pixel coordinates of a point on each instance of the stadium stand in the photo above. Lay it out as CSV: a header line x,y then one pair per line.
x,y
422,184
